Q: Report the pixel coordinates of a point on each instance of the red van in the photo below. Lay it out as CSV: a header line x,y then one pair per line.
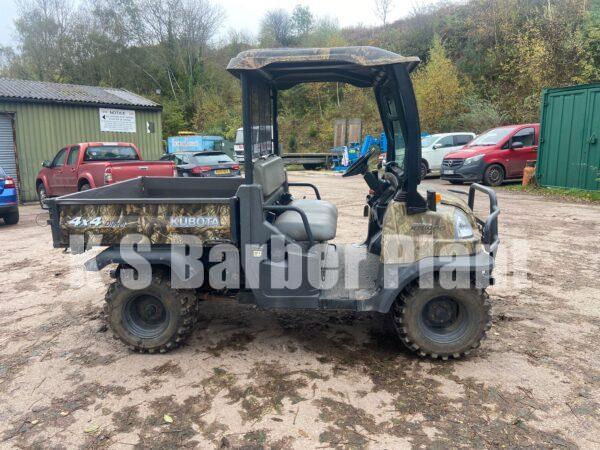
x,y
494,156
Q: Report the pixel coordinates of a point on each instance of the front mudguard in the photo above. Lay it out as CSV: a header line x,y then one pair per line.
x,y
394,278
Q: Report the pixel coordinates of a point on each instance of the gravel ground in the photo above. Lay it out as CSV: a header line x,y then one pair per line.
x,y
282,379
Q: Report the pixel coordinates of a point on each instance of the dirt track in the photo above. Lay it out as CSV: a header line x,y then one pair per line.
x,y
303,380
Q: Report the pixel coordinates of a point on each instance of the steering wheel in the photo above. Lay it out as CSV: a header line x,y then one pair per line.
x,y
360,166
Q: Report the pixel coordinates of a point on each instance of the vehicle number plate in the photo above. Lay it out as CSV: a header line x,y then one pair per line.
x,y
448,172
222,171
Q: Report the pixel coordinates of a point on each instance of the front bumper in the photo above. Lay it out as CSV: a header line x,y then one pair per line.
x,y
467,173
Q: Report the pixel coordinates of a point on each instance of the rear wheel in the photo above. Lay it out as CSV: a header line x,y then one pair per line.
x,y
440,323
12,218
424,170
155,319
494,175
84,187
42,195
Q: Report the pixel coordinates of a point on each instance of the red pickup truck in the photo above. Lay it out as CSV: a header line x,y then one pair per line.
x,y
88,165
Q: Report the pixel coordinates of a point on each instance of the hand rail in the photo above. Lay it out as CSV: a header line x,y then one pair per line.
x,y
307,185
490,225
283,208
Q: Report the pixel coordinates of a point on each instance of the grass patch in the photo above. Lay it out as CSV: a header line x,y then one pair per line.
x,y
574,195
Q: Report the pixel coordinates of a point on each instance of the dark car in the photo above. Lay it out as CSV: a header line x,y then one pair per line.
x,y
203,164
9,208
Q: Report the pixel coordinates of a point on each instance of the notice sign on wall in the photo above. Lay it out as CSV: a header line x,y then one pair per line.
x,y
117,120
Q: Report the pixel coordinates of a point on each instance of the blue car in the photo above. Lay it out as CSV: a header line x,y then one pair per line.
x,y
9,208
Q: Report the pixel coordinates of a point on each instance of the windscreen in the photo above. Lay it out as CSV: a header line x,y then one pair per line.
x,y
492,137
261,117
428,140
110,153
214,158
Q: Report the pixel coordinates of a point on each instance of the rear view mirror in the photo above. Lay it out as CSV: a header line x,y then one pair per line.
x,y
516,145
47,164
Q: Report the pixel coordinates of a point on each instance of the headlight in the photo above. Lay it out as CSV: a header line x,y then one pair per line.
x,y
473,160
462,226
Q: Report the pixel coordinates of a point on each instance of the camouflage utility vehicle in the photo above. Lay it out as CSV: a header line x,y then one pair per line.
x,y
426,259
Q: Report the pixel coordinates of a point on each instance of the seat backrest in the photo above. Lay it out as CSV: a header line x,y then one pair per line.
x,y
270,173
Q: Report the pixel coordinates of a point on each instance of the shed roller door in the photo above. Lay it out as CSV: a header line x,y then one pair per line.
x,y
7,146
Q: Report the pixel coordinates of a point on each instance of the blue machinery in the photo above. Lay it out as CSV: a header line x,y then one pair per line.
x,y
344,156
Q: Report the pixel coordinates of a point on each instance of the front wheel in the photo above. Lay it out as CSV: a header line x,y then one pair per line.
x,y
440,323
155,319
42,196
493,175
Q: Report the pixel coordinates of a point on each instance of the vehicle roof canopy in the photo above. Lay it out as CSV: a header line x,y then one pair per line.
x,y
286,67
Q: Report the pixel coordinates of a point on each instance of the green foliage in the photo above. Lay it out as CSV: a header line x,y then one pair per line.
x,y
575,195
173,121
485,62
479,115
439,91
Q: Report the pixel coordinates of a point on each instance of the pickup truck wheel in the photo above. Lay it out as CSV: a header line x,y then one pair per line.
x,y
84,187
440,323
494,175
155,319
42,196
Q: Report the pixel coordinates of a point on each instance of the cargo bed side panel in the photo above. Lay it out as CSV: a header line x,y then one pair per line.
x,y
161,223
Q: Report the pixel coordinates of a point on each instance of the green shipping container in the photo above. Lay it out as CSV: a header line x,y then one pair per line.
x,y
569,150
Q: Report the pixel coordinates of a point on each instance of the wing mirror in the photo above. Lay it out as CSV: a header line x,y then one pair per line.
x,y
47,164
516,145
436,146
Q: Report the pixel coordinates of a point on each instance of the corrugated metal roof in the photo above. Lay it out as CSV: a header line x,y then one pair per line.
x,y
41,91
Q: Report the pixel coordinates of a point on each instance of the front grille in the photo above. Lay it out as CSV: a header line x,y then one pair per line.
x,y
452,163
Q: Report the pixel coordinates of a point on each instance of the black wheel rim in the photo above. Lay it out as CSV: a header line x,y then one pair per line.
x,y
444,320
423,171
146,316
495,175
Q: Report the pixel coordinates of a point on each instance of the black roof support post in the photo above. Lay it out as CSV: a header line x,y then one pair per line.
x,y
247,124
275,129
415,203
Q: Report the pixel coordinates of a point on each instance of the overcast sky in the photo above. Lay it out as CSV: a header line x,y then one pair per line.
x,y
246,14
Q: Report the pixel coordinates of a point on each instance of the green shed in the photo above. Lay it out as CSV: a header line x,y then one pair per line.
x,y
37,119
569,149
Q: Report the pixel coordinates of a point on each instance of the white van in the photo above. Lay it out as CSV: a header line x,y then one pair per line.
x,y
435,146
262,137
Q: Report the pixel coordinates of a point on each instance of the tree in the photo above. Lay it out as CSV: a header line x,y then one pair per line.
x,y
302,21
45,37
438,90
276,29
383,9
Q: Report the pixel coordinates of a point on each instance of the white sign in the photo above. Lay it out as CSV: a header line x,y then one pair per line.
x,y
117,120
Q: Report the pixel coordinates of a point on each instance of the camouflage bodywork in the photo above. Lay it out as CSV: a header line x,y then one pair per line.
x,y
360,55
161,223
410,238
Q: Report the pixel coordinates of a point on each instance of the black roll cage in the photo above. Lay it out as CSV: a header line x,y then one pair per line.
x,y
389,82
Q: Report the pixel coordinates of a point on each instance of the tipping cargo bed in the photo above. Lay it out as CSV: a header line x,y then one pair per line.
x,y
161,209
